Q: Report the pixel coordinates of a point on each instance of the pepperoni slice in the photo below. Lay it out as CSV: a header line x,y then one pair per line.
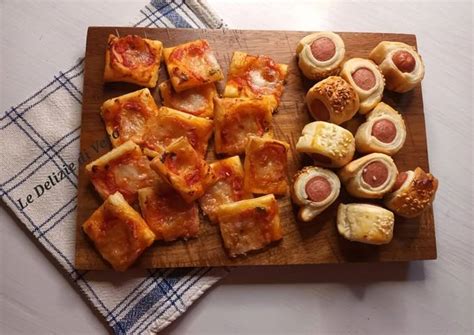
x,y
401,178
318,110
318,188
132,51
384,130
404,61
375,173
323,49
364,78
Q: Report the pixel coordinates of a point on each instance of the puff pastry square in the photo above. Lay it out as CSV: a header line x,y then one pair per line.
x,y
119,233
266,166
250,224
132,59
184,169
236,119
167,214
171,124
255,76
192,64
125,116
198,101
124,169
228,188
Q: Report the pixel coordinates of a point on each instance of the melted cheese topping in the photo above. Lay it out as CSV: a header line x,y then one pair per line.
x,y
268,166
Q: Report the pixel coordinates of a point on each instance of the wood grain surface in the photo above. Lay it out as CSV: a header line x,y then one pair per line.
x,y
309,243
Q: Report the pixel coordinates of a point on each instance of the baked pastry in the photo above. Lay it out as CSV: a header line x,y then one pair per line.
x,y
328,144
228,188
400,64
119,233
167,214
365,223
370,176
238,118
332,100
184,169
191,65
413,192
171,124
198,101
320,55
124,169
266,166
132,59
366,79
254,76
314,189
384,131
125,116
249,225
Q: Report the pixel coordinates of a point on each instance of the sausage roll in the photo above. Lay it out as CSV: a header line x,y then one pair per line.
x,y
314,189
366,79
414,191
119,232
191,65
332,100
384,131
328,144
266,166
400,64
371,176
250,224
320,55
132,59
365,223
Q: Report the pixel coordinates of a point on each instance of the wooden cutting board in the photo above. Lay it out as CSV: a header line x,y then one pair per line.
x,y
309,243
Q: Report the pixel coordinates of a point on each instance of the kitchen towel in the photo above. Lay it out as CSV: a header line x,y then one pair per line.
x,y
40,142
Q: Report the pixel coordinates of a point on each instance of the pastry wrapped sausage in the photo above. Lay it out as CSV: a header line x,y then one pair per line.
x,y
328,144
332,100
384,131
414,192
400,64
314,189
366,79
320,54
369,177
365,223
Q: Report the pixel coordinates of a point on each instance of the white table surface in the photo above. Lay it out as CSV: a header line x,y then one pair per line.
x,y
39,38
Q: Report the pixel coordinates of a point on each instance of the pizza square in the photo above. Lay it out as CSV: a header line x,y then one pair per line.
x,y
184,169
125,116
238,118
119,233
167,214
132,59
198,101
192,64
250,224
124,169
229,186
254,76
171,124
266,166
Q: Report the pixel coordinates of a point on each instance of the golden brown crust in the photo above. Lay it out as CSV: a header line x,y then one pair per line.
x,y
191,65
139,73
119,233
414,196
266,166
238,118
339,98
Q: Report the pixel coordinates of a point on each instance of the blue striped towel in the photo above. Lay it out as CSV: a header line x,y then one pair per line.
x,y
40,137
